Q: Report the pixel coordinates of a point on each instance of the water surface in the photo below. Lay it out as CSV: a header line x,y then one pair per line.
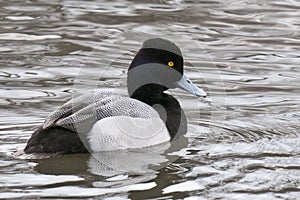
x,y
243,140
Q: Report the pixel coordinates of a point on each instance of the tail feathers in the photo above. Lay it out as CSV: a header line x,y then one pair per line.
x,y
55,140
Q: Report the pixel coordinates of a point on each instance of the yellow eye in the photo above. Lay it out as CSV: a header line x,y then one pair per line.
x,y
170,64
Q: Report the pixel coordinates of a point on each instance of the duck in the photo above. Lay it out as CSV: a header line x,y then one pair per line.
x,y
104,121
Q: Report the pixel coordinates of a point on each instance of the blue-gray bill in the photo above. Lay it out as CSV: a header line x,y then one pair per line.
x,y
187,85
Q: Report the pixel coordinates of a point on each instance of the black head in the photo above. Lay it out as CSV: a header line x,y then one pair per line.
x,y
159,51
157,66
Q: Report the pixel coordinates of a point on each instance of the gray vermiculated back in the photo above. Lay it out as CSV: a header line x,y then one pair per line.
x,y
85,110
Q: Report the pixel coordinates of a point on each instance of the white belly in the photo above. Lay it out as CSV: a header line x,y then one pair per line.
x,y
124,132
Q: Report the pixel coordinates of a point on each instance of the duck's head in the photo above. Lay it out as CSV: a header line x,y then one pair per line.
x,y
158,66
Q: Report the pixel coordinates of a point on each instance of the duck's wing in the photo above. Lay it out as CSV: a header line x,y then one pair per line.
x,y
82,112
74,105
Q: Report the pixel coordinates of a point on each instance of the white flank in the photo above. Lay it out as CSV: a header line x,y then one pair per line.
x,y
124,132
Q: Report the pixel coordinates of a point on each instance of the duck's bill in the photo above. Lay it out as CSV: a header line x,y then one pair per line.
x,y
187,85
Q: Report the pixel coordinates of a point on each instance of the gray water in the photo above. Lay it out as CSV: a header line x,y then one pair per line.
x,y
243,140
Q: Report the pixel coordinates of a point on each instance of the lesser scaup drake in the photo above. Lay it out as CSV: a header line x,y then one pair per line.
x,y
104,121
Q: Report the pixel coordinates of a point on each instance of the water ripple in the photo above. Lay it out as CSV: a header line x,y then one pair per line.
x,y
243,139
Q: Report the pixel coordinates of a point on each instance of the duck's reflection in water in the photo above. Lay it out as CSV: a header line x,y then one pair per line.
x,y
115,167
135,162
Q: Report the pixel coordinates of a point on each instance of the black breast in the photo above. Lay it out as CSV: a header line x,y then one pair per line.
x,y
176,120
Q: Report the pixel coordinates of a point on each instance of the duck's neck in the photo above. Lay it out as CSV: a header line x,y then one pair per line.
x,y
150,94
167,107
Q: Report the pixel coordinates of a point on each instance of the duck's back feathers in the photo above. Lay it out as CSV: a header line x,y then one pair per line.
x,y
87,109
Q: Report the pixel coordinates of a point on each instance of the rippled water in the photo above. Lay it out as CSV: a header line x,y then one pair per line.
x,y
243,140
